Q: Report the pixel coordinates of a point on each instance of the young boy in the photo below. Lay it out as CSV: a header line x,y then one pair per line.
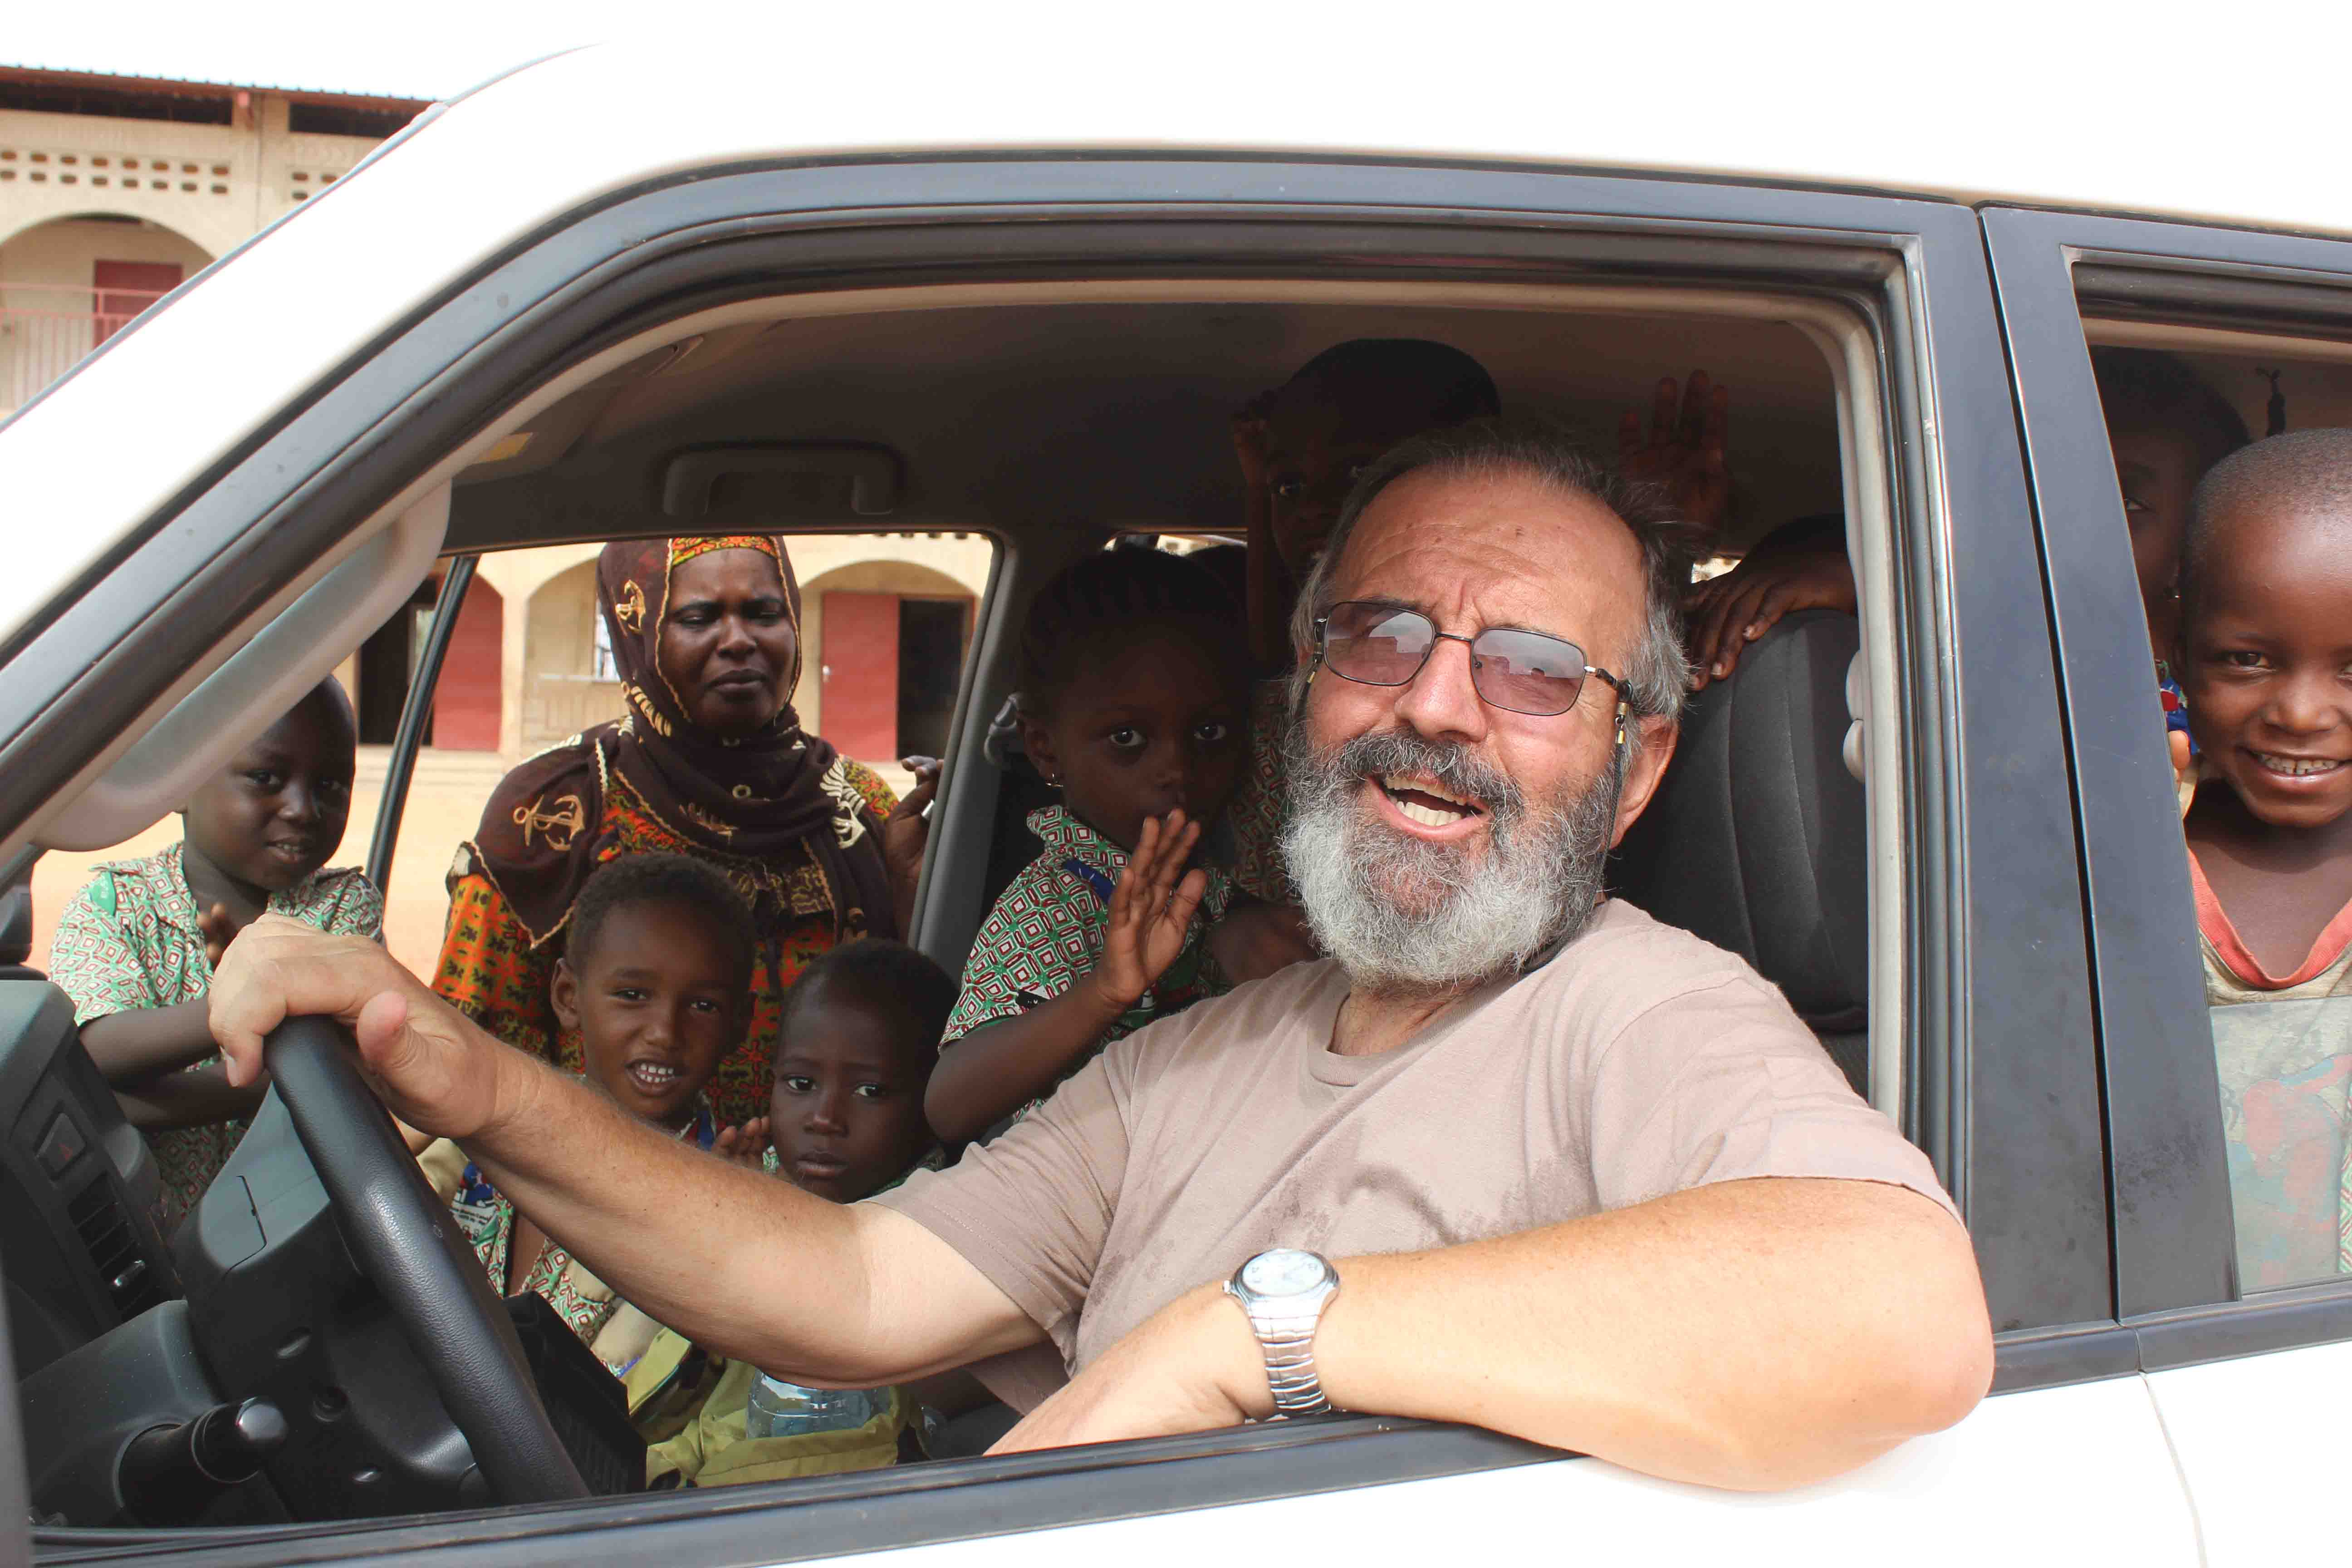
x,y
859,1033
655,977
136,945
2265,656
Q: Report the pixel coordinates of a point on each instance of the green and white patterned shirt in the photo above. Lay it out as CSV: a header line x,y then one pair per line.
x,y
130,938
1046,932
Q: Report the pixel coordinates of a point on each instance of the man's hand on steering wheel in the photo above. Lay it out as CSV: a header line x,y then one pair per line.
x,y
1192,1366
417,1054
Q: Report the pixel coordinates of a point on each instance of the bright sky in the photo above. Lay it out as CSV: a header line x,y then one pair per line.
x,y
407,48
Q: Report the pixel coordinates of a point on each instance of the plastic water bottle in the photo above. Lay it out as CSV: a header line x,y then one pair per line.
x,y
781,1409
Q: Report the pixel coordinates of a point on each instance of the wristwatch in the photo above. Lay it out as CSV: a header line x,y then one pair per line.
x,y
1284,1292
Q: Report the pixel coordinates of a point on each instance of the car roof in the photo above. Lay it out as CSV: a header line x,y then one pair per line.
x,y
2067,113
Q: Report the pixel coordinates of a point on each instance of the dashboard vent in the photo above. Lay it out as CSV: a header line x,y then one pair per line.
x,y
113,1249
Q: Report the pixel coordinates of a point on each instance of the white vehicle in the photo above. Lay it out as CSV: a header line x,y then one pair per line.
x,y
1006,291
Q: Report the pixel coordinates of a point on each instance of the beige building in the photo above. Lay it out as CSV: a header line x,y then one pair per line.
x,y
885,620
114,190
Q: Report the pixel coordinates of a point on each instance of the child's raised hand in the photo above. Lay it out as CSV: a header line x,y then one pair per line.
x,y
746,1145
1150,910
218,931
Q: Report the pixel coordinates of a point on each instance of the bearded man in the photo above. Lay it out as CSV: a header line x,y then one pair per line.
x,y
1503,1157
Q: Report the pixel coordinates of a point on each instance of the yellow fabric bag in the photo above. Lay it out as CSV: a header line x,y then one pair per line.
x,y
694,1425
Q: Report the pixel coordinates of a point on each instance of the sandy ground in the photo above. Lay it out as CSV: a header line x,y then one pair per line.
x,y
444,806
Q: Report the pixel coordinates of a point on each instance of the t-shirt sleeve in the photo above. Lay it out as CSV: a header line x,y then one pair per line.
x,y
1030,1209
1723,1083
92,960
358,908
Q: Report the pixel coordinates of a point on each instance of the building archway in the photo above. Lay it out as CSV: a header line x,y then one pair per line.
x,y
568,678
465,696
69,283
882,651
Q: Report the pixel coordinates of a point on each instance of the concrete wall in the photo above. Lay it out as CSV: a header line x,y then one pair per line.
x,y
184,194
215,184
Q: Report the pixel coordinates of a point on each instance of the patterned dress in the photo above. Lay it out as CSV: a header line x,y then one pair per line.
x,y
1256,813
1046,932
493,974
130,938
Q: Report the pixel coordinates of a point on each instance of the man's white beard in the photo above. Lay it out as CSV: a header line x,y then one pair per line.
x,y
1401,913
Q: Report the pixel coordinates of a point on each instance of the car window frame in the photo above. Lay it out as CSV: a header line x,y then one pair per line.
x,y
2175,1236
1995,904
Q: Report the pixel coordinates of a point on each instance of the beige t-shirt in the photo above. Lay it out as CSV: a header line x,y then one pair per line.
x,y
1638,1062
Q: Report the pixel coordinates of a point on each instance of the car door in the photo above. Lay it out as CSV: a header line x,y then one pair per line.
x,y
1987,1016
2244,1369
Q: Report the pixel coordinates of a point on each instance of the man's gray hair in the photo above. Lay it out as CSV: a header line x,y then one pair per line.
x,y
1657,675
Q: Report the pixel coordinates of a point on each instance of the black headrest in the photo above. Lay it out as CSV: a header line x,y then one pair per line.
x,y
1755,840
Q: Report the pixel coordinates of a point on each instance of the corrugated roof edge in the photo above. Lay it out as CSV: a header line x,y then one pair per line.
x,y
20,72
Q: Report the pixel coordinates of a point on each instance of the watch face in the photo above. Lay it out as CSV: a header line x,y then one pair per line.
x,y
1284,1271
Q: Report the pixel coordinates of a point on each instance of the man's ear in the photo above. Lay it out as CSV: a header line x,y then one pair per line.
x,y
1649,765
564,994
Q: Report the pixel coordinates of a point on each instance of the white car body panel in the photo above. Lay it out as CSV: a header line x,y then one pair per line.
x,y
2064,1474
2261,1446
199,377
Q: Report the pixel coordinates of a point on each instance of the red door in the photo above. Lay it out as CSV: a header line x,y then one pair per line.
x,y
859,685
126,287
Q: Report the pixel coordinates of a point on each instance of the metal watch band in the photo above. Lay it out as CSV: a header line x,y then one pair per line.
x,y
1289,1344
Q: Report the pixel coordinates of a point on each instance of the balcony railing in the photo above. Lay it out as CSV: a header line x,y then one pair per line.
x,y
45,328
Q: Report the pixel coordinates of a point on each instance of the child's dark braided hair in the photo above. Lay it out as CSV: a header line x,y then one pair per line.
x,y
1113,594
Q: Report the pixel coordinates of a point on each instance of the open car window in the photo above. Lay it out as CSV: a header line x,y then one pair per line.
x,y
1014,426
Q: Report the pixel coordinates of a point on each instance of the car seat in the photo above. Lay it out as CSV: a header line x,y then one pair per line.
x,y
1756,840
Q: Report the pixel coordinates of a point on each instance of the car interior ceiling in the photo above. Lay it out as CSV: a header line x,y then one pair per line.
x,y
1110,415
1062,424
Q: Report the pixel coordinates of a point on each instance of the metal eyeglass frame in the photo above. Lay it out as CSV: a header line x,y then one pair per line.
x,y
1322,661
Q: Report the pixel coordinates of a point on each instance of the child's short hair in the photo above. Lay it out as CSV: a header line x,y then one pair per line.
x,y
1455,386
2148,388
1104,595
679,880
2302,468
889,977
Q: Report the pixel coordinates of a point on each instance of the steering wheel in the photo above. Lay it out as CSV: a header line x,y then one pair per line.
x,y
404,1240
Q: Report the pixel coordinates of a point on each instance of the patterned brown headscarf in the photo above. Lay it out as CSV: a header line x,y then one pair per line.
x,y
775,809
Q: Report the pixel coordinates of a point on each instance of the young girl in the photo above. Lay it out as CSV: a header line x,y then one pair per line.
x,y
656,979
135,947
2265,658
1131,681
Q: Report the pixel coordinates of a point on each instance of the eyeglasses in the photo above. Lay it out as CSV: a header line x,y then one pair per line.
x,y
1523,672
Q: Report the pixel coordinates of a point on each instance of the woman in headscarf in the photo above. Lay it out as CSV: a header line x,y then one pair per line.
x,y
708,760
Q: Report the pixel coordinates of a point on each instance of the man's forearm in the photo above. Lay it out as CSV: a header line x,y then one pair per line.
x,y
744,1263
1754,1334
